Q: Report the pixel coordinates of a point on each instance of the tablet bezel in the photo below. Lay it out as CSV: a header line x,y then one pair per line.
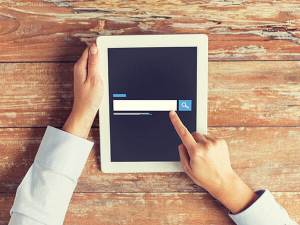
x,y
142,41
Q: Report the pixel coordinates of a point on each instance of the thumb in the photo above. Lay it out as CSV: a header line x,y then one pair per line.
x,y
93,62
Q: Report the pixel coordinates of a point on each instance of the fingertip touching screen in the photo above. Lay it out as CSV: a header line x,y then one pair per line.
x,y
144,85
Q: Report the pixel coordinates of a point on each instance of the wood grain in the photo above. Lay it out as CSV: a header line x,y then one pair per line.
x,y
265,157
36,30
254,105
240,94
145,208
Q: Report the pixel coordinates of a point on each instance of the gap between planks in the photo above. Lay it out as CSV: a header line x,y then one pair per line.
x,y
210,60
227,126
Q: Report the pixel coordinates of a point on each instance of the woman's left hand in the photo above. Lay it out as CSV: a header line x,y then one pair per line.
x,y
88,93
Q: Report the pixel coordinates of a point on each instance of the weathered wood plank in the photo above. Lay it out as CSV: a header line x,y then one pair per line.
x,y
238,30
264,157
146,209
240,94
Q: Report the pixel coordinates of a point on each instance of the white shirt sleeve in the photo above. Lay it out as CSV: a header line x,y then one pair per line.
x,y
264,211
44,194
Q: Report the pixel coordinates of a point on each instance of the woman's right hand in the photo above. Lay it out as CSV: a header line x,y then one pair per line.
x,y
206,161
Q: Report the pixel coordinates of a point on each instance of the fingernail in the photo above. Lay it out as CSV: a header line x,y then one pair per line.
x,y
93,49
172,113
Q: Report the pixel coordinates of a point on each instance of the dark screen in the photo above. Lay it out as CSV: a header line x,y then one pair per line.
x,y
160,73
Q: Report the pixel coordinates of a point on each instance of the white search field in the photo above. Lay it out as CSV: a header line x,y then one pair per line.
x,y
145,105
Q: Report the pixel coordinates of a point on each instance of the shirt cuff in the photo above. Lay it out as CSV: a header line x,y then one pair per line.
x,y
63,153
265,210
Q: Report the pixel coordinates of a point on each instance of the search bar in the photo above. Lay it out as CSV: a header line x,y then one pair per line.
x,y
145,105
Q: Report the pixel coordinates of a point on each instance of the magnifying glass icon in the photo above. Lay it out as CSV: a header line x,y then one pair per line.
x,y
184,105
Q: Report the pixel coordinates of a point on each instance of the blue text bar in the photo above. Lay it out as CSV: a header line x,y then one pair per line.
x,y
119,95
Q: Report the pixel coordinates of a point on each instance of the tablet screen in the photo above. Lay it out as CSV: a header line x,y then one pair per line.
x,y
144,85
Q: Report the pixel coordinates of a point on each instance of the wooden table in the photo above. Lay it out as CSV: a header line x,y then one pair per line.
x,y
254,100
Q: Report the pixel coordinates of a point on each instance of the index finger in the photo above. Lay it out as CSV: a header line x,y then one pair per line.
x,y
185,136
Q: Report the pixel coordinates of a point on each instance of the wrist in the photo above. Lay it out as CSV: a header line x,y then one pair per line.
x,y
234,193
79,124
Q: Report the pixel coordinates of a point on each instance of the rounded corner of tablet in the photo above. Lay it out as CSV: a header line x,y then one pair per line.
x,y
99,39
204,37
105,168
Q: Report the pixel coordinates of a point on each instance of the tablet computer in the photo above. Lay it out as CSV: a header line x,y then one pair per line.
x,y
145,77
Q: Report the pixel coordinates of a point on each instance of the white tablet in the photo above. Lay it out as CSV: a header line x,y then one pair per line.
x,y
145,77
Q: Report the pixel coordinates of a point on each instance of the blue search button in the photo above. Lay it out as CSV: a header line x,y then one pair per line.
x,y
185,105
